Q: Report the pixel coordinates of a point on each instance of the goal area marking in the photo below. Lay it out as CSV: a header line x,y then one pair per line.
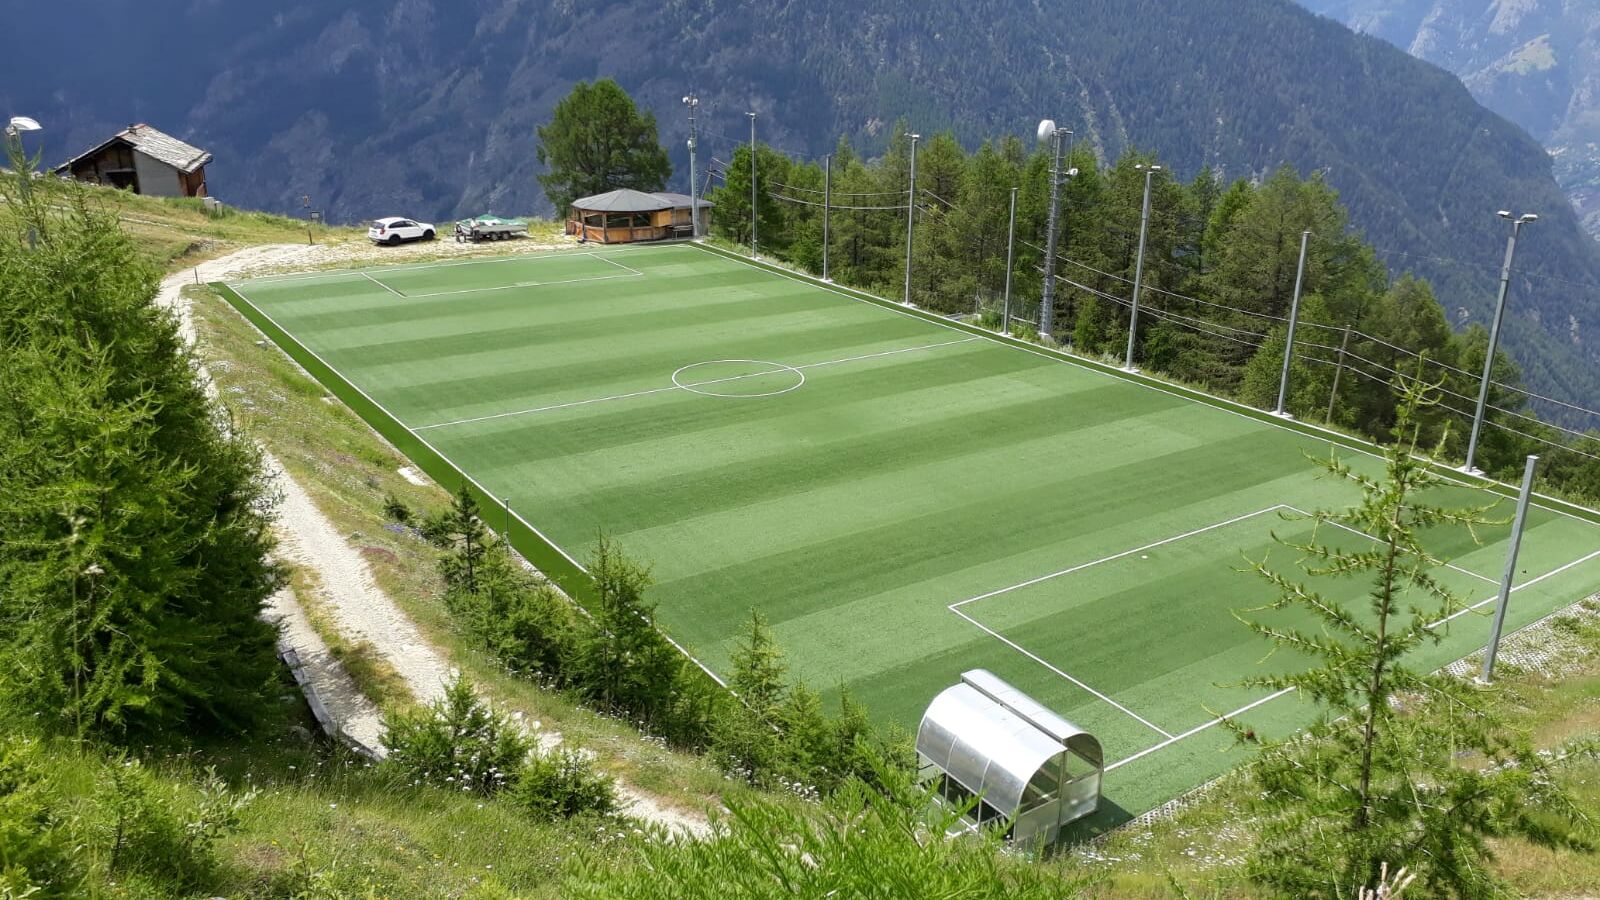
x,y
1169,738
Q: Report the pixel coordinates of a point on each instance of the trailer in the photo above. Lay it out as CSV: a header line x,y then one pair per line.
x,y
489,228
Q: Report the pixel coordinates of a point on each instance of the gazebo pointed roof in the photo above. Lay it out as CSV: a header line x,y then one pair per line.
x,y
622,200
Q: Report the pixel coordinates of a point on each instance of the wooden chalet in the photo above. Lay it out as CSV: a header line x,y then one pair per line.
x,y
625,216
146,161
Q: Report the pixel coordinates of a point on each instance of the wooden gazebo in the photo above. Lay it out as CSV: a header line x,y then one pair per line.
x,y
625,215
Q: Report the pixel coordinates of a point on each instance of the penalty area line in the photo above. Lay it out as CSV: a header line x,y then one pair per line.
x,y
1025,652
1289,690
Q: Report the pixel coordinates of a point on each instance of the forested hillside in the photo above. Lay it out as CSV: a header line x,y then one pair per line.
x,y
430,109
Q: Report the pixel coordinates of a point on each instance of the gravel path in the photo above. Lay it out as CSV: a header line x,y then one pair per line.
x,y
307,540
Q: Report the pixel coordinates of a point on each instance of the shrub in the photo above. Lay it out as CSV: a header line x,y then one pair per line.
x,y
153,832
456,742
38,856
562,784
396,510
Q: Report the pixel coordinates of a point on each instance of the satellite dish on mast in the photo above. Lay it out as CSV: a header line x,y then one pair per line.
x,y
1047,128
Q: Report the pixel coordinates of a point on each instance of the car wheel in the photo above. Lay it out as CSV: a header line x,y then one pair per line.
x,y
393,241
428,235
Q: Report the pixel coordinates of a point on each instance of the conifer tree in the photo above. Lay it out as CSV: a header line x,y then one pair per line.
x,y
1369,784
597,140
134,524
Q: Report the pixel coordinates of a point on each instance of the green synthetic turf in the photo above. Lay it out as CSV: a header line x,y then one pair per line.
x,y
853,470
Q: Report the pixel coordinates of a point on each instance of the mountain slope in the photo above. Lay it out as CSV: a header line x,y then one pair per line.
x,y
1536,62
429,107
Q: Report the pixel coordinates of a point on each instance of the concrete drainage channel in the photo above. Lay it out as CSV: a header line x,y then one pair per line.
x,y
330,726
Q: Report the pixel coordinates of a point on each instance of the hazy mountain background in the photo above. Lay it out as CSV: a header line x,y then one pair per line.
x,y
428,108
1536,62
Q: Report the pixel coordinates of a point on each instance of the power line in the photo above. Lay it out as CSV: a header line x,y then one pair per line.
x,y
837,193
831,206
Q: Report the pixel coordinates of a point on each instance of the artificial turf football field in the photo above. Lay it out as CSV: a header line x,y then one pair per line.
x,y
902,499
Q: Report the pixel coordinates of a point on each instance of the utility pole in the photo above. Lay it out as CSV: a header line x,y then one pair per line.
x,y
1494,335
827,210
1011,243
911,214
1138,267
1294,319
693,103
1338,372
1047,304
752,184
1493,648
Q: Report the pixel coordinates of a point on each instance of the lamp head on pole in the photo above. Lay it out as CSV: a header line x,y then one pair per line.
x,y
20,124
1523,219
691,101
1148,170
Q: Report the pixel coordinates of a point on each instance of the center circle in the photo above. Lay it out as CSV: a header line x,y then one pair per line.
x,y
738,378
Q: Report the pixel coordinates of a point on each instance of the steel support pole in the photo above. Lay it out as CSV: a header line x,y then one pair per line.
x,y
1294,319
911,216
1494,344
1510,575
827,210
1138,270
1011,244
694,185
752,184
1047,303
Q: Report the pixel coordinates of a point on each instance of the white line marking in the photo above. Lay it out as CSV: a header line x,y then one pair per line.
x,y
1013,645
1516,587
1222,404
529,525
1080,567
1197,729
1447,565
677,387
630,270
1289,690
378,283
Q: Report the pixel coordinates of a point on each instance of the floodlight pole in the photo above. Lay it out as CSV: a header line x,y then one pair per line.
x,y
1294,319
827,209
1494,336
1493,649
1047,304
693,103
1011,244
19,155
752,184
911,215
1138,267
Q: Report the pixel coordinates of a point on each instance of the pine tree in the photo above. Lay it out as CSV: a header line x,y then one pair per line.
x,y
1371,783
467,539
135,523
623,662
597,140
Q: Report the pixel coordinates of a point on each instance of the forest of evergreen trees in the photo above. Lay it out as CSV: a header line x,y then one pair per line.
x,y
1218,280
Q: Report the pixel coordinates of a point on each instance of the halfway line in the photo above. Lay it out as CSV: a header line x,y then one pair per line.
x,y
678,387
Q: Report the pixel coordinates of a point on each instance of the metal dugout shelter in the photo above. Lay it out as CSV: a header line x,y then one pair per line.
x,y
1024,764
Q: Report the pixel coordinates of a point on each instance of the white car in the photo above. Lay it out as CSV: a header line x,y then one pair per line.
x,y
395,230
